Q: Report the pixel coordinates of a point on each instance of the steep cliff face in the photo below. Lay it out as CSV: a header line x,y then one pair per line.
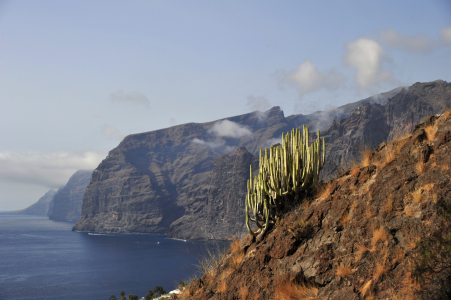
x,y
144,184
40,208
68,200
215,207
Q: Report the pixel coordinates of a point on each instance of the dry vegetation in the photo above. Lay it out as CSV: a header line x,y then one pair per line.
x,y
325,191
366,157
344,270
420,167
288,290
345,218
379,234
431,130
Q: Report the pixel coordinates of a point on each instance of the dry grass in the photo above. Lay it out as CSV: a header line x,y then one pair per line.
x,y
416,195
380,270
445,167
365,288
361,249
286,290
354,205
408,288
379,234
237,259
305,204
222,286
428,187
389,154
447,113
366,157
243,292
409,210
354,171
433,165
420,167
400,145
344,271
211,261
235,246
325,191
345,218
431,130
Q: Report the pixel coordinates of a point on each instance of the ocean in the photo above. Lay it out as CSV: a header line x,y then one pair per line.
x,y
42,259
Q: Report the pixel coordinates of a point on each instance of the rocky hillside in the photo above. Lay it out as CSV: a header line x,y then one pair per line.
x,y
40,208
161,181
67,202
380,230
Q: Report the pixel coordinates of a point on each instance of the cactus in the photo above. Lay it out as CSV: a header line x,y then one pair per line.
x,y
284,172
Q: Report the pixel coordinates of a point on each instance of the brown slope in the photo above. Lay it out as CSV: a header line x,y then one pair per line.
x,y
361,241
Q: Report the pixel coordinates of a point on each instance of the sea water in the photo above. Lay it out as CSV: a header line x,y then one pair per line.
x,y
42,259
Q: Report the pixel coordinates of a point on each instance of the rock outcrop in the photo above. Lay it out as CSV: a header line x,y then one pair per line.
x,y
40,208
67,202
377,231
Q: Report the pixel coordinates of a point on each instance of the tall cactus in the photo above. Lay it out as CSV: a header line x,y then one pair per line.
x,y
284,173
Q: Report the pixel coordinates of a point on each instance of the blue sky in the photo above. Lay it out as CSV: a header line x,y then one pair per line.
x,y
78,76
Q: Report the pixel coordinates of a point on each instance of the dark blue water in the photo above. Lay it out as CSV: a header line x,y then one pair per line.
x,y
44,260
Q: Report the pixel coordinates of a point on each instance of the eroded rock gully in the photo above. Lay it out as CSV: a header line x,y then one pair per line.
x,y
362,231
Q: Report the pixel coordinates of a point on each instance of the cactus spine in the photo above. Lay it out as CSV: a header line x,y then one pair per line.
x,y
284,172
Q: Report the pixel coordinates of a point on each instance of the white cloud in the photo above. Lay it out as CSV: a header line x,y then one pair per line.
x,y
213,144
218,144
258,103
367,57
445,35
112,133
130,97
48,170
228,128
306,78
416,43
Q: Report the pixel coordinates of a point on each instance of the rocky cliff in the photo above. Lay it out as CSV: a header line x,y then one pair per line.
x,y
67,202
161,181
144,184
217,202
380,230
40,208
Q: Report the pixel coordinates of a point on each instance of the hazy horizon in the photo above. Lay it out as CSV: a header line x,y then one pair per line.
x,y
76,77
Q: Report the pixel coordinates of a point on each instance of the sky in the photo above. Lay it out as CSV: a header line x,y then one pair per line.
x,y
76,77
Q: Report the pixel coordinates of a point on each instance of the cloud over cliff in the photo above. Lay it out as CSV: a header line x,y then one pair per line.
x,y
228,128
